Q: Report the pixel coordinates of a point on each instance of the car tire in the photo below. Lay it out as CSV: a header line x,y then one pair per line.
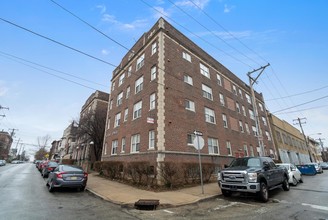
x,y
295,182
226,193
264,192
51,186
285,184
301,179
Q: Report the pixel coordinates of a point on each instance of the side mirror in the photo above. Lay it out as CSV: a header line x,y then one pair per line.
x,y
226,166
266,164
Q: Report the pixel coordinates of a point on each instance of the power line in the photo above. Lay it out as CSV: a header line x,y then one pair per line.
x,y
303,109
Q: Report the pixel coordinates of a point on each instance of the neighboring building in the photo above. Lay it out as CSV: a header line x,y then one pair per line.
x,y
315,150
91,129
5,144
67,142
53,153
167,87
289,142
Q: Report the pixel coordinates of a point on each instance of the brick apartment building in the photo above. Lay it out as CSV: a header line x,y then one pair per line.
x,y
164,89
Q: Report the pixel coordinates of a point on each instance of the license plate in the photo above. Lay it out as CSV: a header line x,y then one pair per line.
x,y
73,178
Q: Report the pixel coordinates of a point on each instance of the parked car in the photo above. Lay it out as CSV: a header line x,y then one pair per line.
x,y
42,164
16,161
49,167
295,176
324,165
2,162
317,167
67,176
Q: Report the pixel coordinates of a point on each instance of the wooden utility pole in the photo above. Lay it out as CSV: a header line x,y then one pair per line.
x,y
300,121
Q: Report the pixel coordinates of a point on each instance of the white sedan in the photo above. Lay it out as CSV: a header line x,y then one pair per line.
x,y
295,176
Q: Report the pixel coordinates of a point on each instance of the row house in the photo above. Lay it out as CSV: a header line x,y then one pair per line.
x,y
5,144
164,89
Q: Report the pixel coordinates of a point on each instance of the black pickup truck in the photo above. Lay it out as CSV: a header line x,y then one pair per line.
x,y
252,175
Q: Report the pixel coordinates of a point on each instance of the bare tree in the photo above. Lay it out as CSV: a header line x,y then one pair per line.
x,y
42,144
43,141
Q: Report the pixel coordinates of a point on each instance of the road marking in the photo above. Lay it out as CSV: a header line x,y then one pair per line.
x,y
325,208
168,211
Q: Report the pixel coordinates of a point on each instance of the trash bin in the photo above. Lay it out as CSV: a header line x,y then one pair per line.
x,y
307,169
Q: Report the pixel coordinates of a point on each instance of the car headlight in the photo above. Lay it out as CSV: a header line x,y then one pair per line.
x,y
219,176
252,177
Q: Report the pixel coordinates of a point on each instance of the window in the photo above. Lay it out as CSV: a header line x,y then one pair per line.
x,y
129,71
113,85
251,114
153,73
204,70
207,92
151,139
248,98
241,126
121,79
153,48
213,146
140,61
261,107
189,105
240,93
268,135
264,121
128,90
110,104
254,131
252,151
187,79
190,139
222,99
137,110
229,148
219,79
119,99
244,110
152,101
234,89
126,113
237,107
139,85
186,56
123,145
225,121
135,143
209,115
247,128
114,147
245,150
108,123
278,136
117,119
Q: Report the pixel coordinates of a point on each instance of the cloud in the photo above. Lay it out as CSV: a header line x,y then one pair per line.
x,y
3,89
134,24
160,12
102,8
194,3
227,9
109,18
226,36
104,52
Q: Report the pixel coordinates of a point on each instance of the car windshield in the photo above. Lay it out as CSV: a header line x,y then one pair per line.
x,y
246,162
283,165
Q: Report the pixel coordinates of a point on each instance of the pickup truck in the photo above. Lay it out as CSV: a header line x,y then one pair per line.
x,y
255,175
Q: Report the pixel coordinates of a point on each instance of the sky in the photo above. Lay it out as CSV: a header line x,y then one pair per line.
x,y
55,54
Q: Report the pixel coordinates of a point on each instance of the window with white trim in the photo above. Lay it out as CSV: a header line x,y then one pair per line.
x,y
245,150
153,48
110,104
240,93
237,107
126,113
189,105
241,127
137,110
140,62
129,71
264,121
152,101
139,85
186,56
228,144
119,99
123,145
219,79
153,73
128,91
251,114
247,128
213,146
114,147
207,92
268,135
251,149
113,85
225,121
187,79
190,139
249,100
121,79
222,99
234,89
209,115
117,119
254,131
151,135
244,110
135,143
204,70
261,107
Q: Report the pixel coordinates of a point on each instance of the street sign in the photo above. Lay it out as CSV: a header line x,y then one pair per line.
x,y
198,142
198,133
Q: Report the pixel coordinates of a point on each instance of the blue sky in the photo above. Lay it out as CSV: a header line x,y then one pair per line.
x,y
242,35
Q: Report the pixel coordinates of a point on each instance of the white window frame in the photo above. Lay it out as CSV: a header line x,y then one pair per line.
x,y
153,73
121,79
186,56
264,121
128,92
209,115
249,100
241,127
207,92
138,85
110,104
213,146
244,110
240,93
152,101
254,131
153,48
113,85
261,107
268,135
119,99
204,70
126,113
135,143
187,79
225,120
114,147
247,128
190,139
222,101
228,145
245,150
238,107
234,89
140,62
251,114
137,108
151,141
129,71
219,79
190,105
117,120
123,145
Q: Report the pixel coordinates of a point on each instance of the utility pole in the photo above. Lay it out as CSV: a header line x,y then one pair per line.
x,y
257,121
1,107
323,155
300,122
12,133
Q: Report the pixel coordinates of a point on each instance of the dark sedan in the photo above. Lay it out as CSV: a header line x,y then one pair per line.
x,y
67,176
49,167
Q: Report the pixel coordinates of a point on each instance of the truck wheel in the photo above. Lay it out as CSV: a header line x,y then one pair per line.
x,y
285,184
226,193
264,192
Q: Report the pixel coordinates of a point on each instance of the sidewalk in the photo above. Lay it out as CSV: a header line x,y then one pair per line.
x,y
127,195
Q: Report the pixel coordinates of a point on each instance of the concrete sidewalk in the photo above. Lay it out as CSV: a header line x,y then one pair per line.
x,y
126,195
